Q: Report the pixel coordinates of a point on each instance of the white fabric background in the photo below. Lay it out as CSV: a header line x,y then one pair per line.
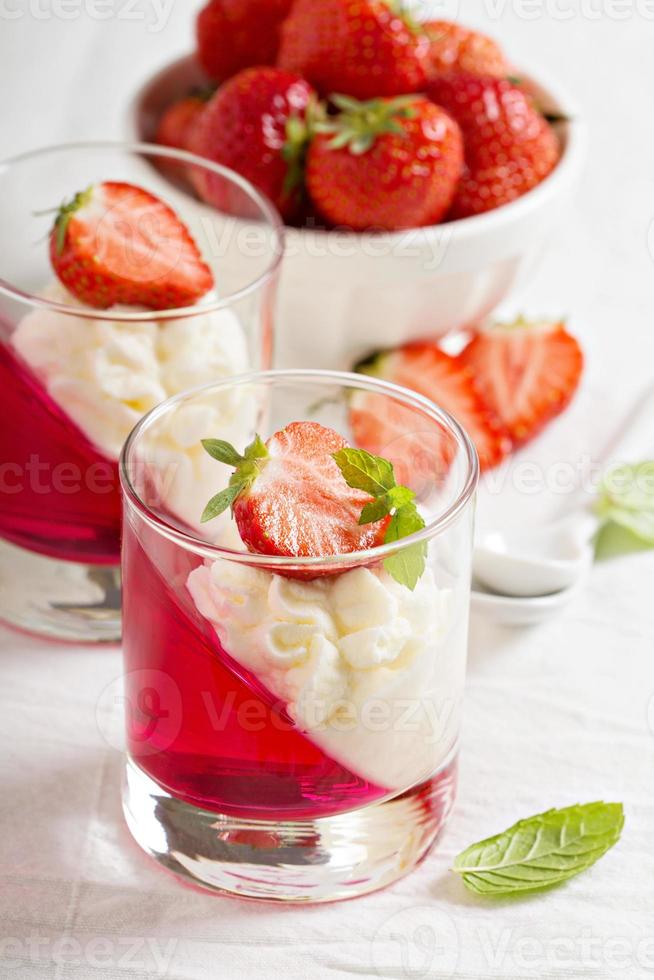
x,y
554,715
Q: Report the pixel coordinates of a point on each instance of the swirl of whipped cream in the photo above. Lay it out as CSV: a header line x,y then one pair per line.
x,y
106,374
371,671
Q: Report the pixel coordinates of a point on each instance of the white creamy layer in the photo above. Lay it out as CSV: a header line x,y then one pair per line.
x,y
106,374
359,661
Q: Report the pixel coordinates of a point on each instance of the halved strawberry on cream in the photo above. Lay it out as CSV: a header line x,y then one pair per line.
x,y
117,248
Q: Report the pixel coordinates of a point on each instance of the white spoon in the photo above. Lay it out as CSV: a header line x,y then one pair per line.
x,y
539,561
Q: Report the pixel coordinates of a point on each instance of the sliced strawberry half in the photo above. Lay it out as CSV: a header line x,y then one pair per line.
x,y
117,243
289,497
388,429
526,371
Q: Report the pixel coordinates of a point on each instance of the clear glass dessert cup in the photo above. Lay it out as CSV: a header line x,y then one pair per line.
x,y
292,723
75,379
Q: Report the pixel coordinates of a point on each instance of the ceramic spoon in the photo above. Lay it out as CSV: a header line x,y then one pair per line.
x,y
547,563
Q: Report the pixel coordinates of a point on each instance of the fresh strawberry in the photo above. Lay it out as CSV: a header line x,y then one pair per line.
x,y
117,243
366,48
385,164
236,34
509,146
386,430
177,122
526,372
289,497
456,48
255,124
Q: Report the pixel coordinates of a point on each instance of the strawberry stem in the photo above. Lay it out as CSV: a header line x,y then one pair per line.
x,y
400,9
247,467
65,213
358,124
300,130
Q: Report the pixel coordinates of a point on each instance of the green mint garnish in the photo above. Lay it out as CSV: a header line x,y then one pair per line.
x,y
541,851
247,467
375,476
626,499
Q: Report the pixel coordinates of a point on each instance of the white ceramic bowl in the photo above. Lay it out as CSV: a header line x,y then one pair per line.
x,y
343,295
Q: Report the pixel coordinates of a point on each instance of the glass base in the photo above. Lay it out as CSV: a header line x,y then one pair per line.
x,y
59,599
293,861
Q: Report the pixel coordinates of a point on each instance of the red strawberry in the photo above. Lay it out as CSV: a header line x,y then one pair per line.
x,y
289,498
236,34
456,48
255,124
386,431
177,122
526,372
385,164
510,147
117,243
364,48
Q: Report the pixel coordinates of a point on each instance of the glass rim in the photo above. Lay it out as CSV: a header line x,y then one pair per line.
x,y
268,209
272,562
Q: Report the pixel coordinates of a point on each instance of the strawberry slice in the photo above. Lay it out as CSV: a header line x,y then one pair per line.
x,y
387,429
289,497
526,371
117,243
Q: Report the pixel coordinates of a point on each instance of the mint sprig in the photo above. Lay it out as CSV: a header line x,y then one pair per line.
x,y
247,466
626,499
375,475
541,851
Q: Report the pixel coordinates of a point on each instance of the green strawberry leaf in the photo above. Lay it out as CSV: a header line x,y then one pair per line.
x,y
221,502
257,449
363,471
222,451
246,469
541,851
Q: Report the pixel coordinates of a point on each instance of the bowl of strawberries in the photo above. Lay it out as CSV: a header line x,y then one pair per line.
x,y
418,173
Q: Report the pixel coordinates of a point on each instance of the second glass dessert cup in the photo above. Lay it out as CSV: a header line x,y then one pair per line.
x,y
74,379
292,723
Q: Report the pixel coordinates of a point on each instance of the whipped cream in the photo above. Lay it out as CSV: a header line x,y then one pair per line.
x,y
106,374
370,671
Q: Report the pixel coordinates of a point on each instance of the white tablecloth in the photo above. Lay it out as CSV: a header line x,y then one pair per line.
x,y
555,715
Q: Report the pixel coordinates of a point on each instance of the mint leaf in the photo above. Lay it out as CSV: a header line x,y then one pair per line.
x,y
375,475
222,451
627,499
613,541
363,471
381,506
399,496
541,851
221,502
375,510
406,566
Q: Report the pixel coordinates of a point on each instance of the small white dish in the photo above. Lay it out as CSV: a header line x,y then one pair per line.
x,y
536,561
507,610
343,295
